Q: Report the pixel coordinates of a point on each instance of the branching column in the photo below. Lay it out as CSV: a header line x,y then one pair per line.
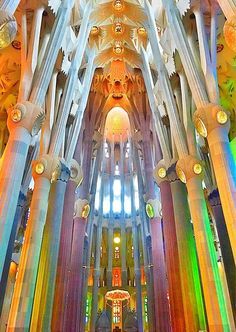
x,y
211,122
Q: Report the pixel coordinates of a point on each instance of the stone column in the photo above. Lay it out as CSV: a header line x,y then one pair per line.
x,y
110,222
157,282
96,276
63,264
90,232
160,279
22,301
73,303
189,170
159,269
226,250
123,221
44,73
9,5
172,258
212,122
8,296
17,220
188,265
46,277
97,272
24,121
137,272
82,208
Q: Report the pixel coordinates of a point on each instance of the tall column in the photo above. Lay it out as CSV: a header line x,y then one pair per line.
x,y
17,219
63,264
137,272
189,171
24,121
73,304
44,73
159,269
71,82
172,258
96,275
159,298
22,301
9,5
190,277
213,123
90,232
110,222
46,277
226,250
123,221
8,296
191,292
97,272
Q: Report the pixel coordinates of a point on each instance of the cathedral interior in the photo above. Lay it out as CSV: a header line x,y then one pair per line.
x,y
118,165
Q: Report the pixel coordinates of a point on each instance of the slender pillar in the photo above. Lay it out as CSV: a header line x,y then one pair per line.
x,y
96,276
110,222
21,121
44,73
159,276
45,286
123,221
212,122
73,304
159,269
189,271
172,258
9,5
22,301
63,265
90,232
97,272
226,250
137,272
212,289
18,216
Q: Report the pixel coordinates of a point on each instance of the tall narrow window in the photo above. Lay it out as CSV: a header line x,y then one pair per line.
x,y
116,311
146,309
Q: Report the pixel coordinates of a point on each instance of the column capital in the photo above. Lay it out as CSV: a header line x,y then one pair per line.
x,y
160,172
153,208
189,167
26,115
81,208
211,117
76,172
63,172
46,166
165,171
